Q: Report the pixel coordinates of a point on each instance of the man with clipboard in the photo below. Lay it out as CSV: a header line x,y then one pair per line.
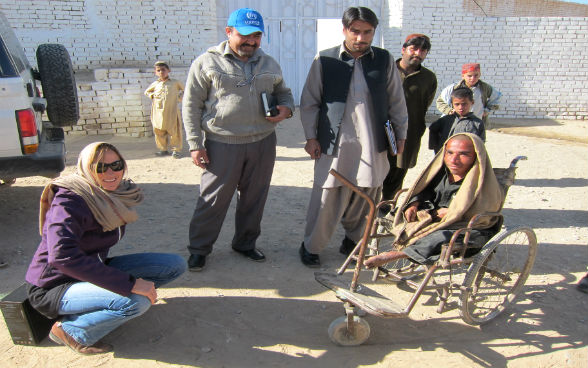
x,y
351,91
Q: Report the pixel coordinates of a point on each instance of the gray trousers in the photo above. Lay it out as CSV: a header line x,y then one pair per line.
x,y
246,168
330,206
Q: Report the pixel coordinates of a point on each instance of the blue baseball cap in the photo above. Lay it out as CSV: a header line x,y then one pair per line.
x,y
246,21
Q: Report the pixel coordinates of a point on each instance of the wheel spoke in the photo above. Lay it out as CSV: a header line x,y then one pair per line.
x,y
497,274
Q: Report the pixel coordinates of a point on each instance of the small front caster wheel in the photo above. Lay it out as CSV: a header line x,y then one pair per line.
x,y
340,335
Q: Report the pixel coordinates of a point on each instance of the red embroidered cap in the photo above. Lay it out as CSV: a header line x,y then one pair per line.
x,y
470,67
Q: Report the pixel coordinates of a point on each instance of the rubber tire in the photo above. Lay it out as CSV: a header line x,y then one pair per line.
x,y
512,252
339,335
59,85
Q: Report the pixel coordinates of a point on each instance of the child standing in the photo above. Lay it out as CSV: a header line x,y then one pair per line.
x,y
461,120
486,97
166,93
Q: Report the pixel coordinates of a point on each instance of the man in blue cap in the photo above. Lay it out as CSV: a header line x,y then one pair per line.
x,y
230,136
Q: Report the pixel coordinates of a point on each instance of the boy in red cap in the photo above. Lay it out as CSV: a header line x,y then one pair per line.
x,y
486,97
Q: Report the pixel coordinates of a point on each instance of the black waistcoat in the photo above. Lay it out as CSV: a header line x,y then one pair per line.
x,y
336,77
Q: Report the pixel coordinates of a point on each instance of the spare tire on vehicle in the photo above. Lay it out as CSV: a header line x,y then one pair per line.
x,y
59,84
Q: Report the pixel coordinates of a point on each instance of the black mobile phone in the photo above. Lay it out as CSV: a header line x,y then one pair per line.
x,y
268,108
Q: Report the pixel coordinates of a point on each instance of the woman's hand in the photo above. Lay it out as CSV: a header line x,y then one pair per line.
x,y
145,288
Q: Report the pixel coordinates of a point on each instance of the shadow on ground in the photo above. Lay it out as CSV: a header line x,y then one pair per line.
x,y
293,332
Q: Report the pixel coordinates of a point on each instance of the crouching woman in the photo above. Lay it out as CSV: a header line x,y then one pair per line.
x,y
71,276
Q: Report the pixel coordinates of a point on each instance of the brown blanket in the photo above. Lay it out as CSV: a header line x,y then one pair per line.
x,y
479,193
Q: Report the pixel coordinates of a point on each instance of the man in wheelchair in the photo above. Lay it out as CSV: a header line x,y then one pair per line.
x,y
458,184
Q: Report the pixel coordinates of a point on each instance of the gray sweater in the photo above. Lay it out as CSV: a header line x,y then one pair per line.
x,y
222,100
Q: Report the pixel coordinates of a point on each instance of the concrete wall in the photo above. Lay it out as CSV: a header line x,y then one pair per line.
x,y
112,101
525,8
113,45
109,33
538,63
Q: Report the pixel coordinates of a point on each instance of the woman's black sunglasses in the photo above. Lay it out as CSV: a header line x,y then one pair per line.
x,y
117,165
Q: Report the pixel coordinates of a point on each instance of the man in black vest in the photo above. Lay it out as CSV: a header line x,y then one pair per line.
x,y
351,91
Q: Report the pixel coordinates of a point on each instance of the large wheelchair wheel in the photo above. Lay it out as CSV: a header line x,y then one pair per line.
x,y
340,334
497,274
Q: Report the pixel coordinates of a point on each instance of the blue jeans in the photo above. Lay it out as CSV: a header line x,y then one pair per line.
x,y
90,312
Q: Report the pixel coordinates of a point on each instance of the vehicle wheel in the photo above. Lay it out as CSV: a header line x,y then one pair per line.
x,y
59,85
340,335
497,274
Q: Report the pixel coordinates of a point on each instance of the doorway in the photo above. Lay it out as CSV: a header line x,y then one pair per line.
x,y
294,31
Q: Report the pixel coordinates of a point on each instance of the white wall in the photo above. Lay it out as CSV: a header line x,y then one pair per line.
x,y
537,63
113,45
112,101
103,33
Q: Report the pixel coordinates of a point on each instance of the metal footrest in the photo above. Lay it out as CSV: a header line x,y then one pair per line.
x,y
365,298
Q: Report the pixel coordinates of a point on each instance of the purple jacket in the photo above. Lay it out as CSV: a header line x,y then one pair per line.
x,y
74,247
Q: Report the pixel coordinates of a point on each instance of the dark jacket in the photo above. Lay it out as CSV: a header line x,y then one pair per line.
x,y
448,125
419,91
74,248
337,71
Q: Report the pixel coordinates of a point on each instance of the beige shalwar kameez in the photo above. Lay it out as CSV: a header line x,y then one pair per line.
x,y
165,113
356,156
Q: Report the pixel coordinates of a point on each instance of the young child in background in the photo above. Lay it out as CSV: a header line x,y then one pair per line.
x,y
461,120
486,97
166,94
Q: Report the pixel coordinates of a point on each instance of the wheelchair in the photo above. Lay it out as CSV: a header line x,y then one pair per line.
x,y
491,276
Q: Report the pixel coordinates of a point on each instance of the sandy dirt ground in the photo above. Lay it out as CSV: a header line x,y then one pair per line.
x,y
237,313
